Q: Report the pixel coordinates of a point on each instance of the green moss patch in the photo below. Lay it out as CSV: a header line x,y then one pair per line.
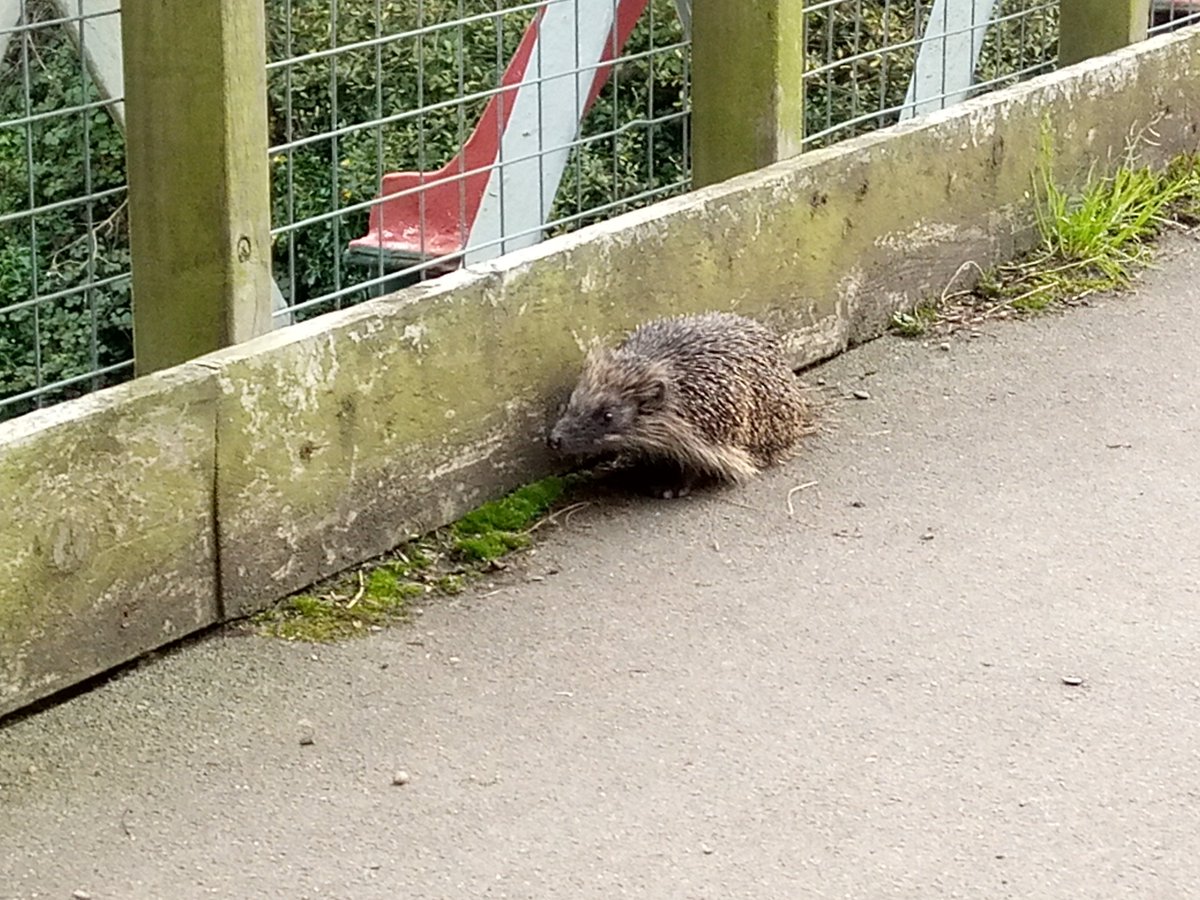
x,y
381,592
342,610
499,527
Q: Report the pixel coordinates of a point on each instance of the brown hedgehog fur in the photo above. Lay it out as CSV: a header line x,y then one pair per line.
x,y
711,394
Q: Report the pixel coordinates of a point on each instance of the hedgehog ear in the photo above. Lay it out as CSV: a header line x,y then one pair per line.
x,y
653,396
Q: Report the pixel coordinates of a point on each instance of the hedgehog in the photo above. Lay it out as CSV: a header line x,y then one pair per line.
x,y
709,398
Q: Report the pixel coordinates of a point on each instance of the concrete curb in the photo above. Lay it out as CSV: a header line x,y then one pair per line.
x,y
335,439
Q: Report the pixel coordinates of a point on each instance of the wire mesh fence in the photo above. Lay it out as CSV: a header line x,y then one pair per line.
x,y
65,324
486,125
870,63
1167,15
463,113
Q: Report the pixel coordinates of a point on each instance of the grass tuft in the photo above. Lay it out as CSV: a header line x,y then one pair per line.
x,y
1095,241
917,322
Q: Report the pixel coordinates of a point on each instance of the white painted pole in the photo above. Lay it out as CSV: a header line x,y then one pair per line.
x,y
545,120
685,15
10,15
946,62
96,27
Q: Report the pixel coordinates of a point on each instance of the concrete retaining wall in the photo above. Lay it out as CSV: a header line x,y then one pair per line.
x,y
143,512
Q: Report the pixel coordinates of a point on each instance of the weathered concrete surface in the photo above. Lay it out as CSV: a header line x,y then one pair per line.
x,y
106,539
340,438
829,703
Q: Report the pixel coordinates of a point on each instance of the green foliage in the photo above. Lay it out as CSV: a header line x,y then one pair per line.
x,y
1097,240
499,527
59,250
517,511
1109,226
1092,241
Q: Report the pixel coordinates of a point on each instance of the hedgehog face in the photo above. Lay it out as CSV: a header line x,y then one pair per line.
x,y
593,425
602,416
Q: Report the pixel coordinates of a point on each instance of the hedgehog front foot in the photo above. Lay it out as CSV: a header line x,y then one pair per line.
x,y
664,479
675,493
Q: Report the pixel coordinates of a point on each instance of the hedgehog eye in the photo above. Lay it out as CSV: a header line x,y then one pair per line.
x,y
603,415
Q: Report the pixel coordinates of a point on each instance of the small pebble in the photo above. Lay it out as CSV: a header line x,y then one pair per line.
x,y
857,504
707,850
454,660
945,345
1072,680
81,895
927,536
861,395
400,778
306,732
821,382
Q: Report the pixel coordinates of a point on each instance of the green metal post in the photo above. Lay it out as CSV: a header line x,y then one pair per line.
x,y
1090,28
199,197
747,85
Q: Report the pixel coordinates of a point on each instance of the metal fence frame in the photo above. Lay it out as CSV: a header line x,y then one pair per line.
x,y
1167,15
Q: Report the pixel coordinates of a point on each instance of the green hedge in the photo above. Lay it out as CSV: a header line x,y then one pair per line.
x,y
86,330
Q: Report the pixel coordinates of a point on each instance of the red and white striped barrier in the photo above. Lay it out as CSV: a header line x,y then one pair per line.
x,y
496,194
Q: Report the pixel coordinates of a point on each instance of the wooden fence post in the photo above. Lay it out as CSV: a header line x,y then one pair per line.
x,y
747,85
1090,28
199,195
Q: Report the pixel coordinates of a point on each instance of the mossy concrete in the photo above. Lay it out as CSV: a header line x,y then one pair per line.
x,y
107,544
338,438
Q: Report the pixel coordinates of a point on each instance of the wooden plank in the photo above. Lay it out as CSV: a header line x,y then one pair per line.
x,y
196,134
747,85
1090,28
